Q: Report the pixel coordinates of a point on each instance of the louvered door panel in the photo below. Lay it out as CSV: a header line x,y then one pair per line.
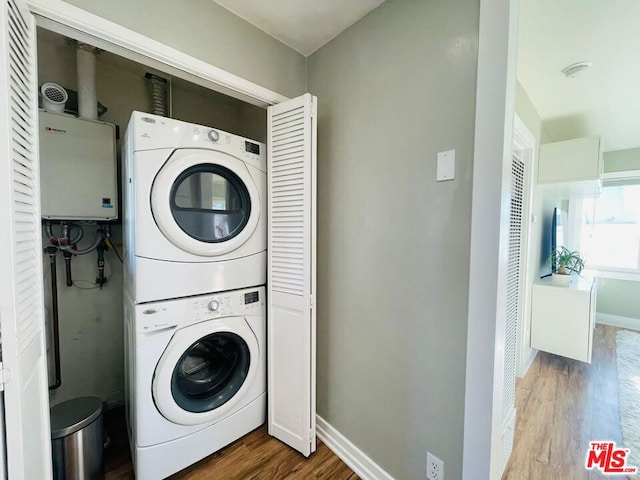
x,y
21,305
513,304
514,284
288,184
291,273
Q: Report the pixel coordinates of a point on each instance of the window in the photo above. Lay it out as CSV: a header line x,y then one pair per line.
x,y
610,230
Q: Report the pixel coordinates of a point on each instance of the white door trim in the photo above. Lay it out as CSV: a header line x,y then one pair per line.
x,y
495,98
66,19
525,141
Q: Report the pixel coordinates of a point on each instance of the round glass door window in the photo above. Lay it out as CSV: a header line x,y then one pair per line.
x,y
210,372
210,203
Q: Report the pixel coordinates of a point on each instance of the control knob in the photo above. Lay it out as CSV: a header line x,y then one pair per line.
x,y
214,305
213,135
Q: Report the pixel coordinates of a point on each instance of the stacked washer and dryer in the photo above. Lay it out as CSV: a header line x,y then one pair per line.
x,y
195,268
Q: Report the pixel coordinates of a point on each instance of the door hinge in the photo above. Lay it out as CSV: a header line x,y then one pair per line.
x,y
312,302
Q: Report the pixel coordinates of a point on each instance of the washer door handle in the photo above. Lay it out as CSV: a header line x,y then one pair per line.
x,y
158,327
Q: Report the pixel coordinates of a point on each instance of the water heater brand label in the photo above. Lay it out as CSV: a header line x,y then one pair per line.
x,y
54,130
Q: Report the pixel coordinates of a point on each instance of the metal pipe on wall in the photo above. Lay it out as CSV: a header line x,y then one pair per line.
x,y
52,251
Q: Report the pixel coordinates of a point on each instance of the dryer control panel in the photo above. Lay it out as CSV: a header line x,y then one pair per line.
x,y
150,132
168,314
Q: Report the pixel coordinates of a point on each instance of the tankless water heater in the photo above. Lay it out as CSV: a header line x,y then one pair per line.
x,y
77,168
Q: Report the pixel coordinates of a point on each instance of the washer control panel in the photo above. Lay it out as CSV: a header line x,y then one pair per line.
x,y
227,304
171,314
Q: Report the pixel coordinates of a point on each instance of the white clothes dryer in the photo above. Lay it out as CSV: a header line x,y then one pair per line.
x,y
195,218
196,377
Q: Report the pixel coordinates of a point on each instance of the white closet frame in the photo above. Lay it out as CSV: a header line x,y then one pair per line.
x,y
71,21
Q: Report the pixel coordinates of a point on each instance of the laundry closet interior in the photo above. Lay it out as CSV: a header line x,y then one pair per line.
x,y
190,319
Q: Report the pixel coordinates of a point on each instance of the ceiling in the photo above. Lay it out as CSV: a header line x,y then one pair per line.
x,y
605,100
304,25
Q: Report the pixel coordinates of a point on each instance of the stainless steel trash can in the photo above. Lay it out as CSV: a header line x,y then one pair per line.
x,y
76,436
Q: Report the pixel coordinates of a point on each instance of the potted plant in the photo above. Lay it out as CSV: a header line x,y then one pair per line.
x,y
566,262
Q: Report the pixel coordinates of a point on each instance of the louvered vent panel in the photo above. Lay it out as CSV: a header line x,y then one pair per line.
x,y
288,203
513,285
26,221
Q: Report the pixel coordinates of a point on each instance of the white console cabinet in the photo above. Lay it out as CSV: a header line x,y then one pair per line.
x,y
563,318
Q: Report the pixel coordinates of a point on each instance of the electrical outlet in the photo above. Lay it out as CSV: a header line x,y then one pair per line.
x,y
435,467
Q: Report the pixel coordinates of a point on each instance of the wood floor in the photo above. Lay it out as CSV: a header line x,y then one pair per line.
x,y
562,405
255,456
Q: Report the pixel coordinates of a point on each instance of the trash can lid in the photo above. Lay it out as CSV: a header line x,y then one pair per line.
x,y
72,415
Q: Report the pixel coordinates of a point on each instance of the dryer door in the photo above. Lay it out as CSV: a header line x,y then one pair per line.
x,y
206,370
205,202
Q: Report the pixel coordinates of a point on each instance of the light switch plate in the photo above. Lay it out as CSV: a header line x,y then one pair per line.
x,y
446,166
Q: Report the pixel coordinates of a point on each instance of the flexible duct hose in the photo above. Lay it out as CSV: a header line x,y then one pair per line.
x,y
158,87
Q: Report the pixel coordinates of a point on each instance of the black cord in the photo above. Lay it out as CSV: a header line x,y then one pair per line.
x,y
115,250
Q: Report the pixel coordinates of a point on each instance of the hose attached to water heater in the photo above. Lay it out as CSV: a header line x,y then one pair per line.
x,y
96,241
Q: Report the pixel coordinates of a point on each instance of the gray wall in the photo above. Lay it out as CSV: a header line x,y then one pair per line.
x,y
91,319
619,298
393,90
622,160
91,334
205,30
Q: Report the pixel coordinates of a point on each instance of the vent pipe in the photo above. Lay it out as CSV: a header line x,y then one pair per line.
x,y
86,65
158,88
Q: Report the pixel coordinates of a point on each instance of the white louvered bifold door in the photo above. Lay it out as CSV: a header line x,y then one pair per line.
x,y
291,283
26,402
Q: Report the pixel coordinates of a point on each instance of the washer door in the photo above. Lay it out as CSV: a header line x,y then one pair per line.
x,y
205,202
205,371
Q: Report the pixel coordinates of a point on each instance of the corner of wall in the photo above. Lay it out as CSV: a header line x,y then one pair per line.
x,y
306,73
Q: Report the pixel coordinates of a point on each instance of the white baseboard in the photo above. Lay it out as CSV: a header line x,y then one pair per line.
x,y
618,321
529,361
355,458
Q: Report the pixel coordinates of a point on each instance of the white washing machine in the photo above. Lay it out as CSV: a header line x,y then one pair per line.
x,y
196,377
195,215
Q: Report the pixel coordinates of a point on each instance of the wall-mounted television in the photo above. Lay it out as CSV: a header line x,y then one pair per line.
x,y
557,234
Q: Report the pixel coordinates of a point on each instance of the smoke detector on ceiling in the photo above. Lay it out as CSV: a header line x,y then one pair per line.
x,y
576,69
